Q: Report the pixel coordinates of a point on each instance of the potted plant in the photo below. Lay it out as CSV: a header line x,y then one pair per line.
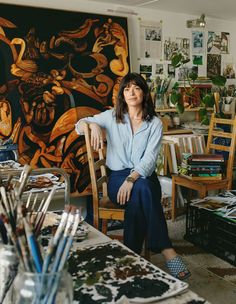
x,y
189,89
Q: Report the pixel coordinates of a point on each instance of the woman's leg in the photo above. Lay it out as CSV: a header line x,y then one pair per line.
x,y
143,213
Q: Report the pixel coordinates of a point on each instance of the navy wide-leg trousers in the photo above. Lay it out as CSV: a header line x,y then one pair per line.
x,y
144,215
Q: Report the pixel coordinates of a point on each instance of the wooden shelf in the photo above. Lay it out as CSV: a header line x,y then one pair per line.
x,y
174,110
193,110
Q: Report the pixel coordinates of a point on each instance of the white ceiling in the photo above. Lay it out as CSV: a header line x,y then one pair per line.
x,y
220,9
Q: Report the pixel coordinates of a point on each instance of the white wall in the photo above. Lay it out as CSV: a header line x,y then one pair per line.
x,y
174,25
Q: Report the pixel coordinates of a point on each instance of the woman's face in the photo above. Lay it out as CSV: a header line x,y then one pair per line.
x,y
133,95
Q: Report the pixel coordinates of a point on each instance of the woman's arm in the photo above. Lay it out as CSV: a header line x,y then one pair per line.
x,y
96,123
148,161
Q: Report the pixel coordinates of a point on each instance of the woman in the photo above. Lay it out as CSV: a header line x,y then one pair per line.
x,y
134,136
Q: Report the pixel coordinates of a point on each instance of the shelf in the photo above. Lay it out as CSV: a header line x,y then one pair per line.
x,y
174,110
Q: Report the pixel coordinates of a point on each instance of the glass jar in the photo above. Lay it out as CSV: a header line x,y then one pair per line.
x,y
8,271
41,288
159,101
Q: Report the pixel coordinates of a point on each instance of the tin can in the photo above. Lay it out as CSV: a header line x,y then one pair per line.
x,y
8,271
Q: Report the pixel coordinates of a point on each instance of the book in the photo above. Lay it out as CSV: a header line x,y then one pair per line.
x,y
207,158
204,177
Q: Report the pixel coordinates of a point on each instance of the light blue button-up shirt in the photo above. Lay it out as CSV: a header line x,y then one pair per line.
x,y
136,151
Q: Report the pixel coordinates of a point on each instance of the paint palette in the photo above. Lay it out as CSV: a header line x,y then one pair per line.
x,y
110,272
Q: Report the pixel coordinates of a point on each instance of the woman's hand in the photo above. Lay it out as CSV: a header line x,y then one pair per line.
x,y
124,192
96,136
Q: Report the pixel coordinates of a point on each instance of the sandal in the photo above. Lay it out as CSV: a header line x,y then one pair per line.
x,y
177,268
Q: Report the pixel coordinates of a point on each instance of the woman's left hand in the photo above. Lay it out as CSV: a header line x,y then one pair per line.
x,y
124,192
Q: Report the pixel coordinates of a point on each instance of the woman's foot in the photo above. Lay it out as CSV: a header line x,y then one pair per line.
x,y
175,264
177,268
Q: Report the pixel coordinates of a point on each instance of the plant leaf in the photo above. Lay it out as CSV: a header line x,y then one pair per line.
x,y
193,76
176,59
175,86
208,100
175,97
202,112
219,80
180,108
205,121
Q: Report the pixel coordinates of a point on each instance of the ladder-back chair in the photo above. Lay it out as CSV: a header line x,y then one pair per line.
x,y
103,208
206,185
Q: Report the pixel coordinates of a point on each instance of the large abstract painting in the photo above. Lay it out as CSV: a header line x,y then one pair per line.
x,y
55,68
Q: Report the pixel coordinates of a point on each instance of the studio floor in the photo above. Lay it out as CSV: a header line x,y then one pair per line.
x,y
212,278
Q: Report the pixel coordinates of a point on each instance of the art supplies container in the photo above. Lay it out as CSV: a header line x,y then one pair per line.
x,y
8,271
39,288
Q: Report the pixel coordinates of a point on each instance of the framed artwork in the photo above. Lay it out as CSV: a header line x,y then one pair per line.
x,y
57,67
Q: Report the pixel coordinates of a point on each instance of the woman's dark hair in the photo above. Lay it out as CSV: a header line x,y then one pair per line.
x,y
147,104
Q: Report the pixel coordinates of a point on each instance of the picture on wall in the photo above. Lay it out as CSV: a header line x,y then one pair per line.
x,y
159,69
213,65
150,39
197,42
229,70
198,59
171,70
55,68
176,45
218,43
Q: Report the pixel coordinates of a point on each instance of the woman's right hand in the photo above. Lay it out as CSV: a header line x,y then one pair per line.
x,y
96,136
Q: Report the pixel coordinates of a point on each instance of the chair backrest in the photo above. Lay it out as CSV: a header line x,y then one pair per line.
x,y
98,174
217,138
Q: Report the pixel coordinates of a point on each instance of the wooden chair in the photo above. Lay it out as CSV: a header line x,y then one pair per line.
x,y
103,208
204,186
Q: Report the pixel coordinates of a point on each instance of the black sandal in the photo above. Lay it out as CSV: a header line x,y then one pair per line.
x,y
178,269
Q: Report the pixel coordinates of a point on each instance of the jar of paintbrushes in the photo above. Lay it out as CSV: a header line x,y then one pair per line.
x,y
41,278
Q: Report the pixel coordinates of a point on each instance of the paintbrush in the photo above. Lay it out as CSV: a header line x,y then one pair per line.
x,y
22,181
39,223
33,246
54,241
70,240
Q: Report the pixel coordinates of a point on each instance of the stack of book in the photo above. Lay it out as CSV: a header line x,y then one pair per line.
x,y
202,166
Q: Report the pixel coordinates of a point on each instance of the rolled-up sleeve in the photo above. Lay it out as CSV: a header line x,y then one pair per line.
x,y
147,164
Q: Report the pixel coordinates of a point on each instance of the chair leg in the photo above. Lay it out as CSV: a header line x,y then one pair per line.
x,y
203,193
146,251
104,226
173,200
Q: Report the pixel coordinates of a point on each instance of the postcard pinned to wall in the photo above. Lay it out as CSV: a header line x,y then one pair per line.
x,y
173,46
218,43
151,40
228,70
197,42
